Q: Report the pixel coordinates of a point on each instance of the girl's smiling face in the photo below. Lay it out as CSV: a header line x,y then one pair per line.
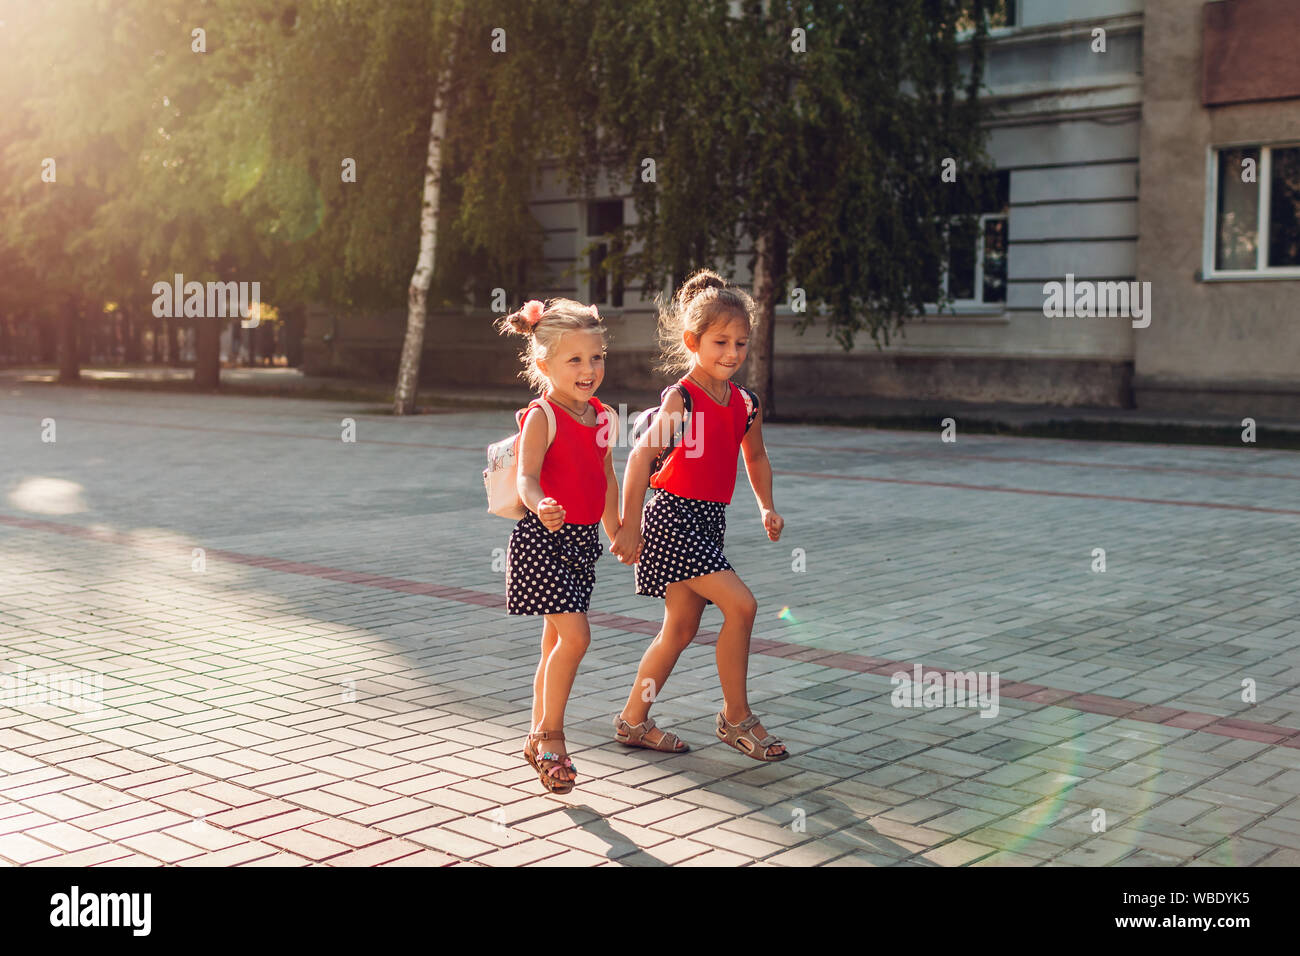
x,y
722,346
577,366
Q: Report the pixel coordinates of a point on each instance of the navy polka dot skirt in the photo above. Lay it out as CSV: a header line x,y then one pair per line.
x,y
551,572
683,539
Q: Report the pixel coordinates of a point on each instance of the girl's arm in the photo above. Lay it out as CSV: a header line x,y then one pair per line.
x,y
610,518
532,449
636,476
759,469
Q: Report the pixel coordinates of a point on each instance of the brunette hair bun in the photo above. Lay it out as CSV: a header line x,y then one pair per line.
x,y
703,299
697,283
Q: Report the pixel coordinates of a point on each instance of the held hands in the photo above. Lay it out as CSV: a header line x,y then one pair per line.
x,y
551,514
772,523
628,543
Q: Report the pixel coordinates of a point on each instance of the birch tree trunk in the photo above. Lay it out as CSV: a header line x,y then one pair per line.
x,y
768,270
408,372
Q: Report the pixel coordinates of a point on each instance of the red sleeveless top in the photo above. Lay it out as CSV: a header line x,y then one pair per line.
x,y
703,465
573,471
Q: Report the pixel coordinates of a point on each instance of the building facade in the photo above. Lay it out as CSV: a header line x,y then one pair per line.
x,y
1220,207
1112,125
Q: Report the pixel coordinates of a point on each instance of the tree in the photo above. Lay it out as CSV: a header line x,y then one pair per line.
x,y
286,144
371,108
506,69
129,109
408,370
807,134
810,133
57,163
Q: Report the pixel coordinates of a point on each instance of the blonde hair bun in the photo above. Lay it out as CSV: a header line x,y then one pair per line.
x,y
544,324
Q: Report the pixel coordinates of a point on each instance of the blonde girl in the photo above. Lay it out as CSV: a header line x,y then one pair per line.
x,y
569,489
677,542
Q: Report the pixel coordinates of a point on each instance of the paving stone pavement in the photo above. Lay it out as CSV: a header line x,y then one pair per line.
x,y
332,680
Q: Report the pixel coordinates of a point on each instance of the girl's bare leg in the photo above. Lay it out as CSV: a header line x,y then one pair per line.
x,y
557,671
682,611
550,637
736,601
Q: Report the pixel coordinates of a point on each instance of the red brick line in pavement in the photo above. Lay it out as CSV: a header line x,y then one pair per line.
x,y
860,663
1040,439
1051,494
999,459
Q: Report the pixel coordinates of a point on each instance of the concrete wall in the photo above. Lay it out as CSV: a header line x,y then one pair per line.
x,y
1229,346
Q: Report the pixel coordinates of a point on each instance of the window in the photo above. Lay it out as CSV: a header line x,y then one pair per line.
x,y
975,273
1254,212
604,220
999,13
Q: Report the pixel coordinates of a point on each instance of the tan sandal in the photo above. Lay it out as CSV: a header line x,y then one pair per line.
x,y
548,763
633,735
741,737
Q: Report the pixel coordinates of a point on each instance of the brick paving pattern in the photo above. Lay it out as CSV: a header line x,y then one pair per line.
x,y
336,681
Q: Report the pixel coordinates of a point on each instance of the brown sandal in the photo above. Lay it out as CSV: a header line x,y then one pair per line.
x,y
633,735
547,763
736,735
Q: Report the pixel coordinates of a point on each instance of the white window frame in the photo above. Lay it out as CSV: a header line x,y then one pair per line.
x,y
1264,174
589,282
977,304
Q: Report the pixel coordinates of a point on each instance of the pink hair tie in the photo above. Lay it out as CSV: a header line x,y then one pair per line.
x,y
594,314
532,312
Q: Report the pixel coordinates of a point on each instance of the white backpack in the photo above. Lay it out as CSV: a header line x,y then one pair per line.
x,y
500,477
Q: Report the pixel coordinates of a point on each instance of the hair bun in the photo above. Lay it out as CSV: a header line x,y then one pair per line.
x,y
518,323
698,282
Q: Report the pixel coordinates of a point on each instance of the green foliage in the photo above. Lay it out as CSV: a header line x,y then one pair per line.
x,y
835,151
227,164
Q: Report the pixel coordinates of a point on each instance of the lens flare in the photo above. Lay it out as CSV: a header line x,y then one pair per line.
x,y
1061,809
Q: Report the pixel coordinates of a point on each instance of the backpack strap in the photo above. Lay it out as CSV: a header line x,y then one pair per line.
x,y
611,420
686,413
545,406
685,393
751,405
668,449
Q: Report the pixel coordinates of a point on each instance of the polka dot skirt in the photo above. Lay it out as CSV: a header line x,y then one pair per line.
x,y
550,572
683,539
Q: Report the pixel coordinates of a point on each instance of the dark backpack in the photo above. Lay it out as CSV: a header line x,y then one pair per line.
x,y
642,423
